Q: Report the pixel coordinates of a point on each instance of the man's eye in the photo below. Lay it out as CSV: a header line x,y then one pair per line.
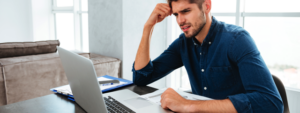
x,y
186,11
175,14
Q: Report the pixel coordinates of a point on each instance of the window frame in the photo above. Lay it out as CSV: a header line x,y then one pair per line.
x,y
77,14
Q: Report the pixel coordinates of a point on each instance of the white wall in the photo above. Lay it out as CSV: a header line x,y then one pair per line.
x,y
25,20
15,21
105,27
42,20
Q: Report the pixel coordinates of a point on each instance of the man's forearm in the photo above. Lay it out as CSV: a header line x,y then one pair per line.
x,y
215,106
160,12
143,54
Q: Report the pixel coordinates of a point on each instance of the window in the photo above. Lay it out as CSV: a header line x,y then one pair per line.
x,y
64,3
277,6
274,25
278,41
65,30
223,6
71,24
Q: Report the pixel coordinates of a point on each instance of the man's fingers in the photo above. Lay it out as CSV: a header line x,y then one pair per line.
x,y
162,101
161,14
165,6
163,105
165,10
168,8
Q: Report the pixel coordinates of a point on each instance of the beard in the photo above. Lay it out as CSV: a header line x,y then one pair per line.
x,y
198,26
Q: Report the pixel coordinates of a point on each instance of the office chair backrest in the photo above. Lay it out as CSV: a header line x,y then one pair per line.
x,y
282,93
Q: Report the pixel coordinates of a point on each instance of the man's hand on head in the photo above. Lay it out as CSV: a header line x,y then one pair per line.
x,y
170,99
160,12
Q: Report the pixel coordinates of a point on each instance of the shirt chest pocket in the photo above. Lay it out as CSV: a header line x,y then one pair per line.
x,y
222,77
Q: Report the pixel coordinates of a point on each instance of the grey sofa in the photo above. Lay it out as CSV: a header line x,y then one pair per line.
x,y
30,74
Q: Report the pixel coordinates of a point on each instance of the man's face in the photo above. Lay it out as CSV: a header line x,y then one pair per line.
x,y
189,17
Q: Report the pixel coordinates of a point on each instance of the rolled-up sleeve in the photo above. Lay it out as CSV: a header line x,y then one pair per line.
x,y
168,61
261,94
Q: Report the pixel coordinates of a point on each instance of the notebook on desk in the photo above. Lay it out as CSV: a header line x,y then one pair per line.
x,y
66,90
87,92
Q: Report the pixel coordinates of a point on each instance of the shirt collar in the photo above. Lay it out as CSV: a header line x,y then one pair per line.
x,y
209,37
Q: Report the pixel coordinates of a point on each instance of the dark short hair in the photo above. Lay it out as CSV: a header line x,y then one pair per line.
x,y
198,2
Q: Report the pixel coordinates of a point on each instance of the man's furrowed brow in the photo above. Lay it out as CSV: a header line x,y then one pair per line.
x,y
182,11
185,10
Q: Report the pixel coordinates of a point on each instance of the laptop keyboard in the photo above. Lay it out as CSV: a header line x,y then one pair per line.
x,y
113,106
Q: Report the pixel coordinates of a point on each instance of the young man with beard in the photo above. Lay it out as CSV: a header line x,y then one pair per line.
x,y
222,62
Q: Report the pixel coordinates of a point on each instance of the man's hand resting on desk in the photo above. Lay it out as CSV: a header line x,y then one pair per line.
x,y
170,99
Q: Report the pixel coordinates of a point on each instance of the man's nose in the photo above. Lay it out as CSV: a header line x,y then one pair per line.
x,y
180,20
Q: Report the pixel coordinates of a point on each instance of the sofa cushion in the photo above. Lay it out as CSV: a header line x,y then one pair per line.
x,y
13,49
33,58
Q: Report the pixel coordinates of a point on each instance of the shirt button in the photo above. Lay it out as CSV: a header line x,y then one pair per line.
x,y
209,42
195,44
202,70
200,53
205,88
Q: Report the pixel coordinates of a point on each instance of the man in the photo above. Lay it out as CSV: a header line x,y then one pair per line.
x,y
222,62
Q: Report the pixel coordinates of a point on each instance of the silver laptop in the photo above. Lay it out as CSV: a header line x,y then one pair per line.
x,y
82,78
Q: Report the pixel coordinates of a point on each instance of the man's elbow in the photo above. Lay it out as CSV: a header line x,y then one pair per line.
x,y
280,107
277,105
139,83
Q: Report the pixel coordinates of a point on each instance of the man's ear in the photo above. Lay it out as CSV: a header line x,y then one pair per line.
x,y
206,6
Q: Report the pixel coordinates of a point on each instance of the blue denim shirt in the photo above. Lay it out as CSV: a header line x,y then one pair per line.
x,y
226,65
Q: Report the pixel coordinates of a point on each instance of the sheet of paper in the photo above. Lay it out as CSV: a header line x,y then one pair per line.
x,y
155,97
67,89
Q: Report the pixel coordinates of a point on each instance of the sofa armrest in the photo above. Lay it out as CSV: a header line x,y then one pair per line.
x,y
3,100
21,74
106,65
